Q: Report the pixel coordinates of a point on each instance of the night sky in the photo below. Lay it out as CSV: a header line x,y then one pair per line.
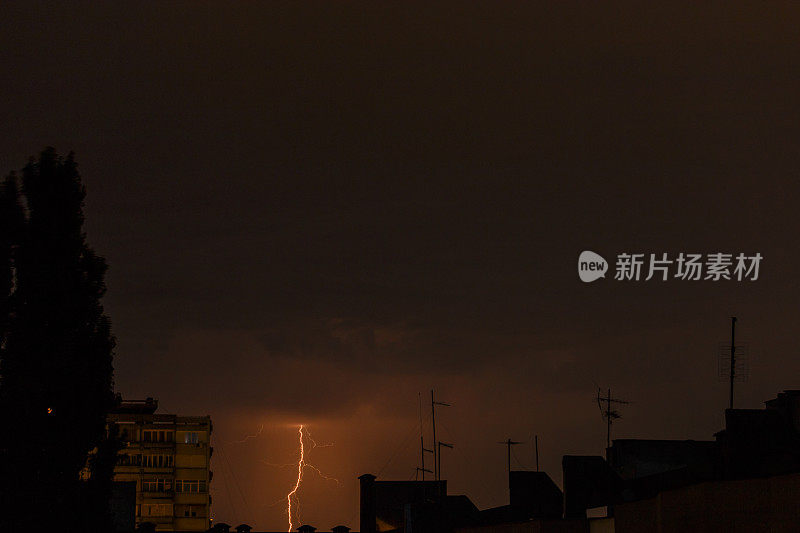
x,y
313,212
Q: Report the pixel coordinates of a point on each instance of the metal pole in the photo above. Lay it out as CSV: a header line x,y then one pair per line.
x,y
608,418
508,443
509,462
421,440
733,356
439,447
433,422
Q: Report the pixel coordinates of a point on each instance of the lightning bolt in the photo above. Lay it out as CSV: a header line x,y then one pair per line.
x,y
291,497
314,443
300,465
323,476
248,437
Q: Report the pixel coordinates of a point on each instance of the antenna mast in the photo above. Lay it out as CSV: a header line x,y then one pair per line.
x,y
421,441
508,443
609,414
433,422
422,448
733,362
439,452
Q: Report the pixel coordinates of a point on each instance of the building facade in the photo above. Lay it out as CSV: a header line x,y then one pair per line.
x,y
168,457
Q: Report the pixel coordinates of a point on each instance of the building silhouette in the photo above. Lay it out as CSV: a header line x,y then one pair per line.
x,y
746,479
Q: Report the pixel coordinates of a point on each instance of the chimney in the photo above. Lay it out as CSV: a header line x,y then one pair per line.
x,y
368,521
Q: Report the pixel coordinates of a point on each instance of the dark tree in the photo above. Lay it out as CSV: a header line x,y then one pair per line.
x,y
56,347
96,515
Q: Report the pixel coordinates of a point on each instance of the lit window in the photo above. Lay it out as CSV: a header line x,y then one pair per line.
x,y
190,485
156,509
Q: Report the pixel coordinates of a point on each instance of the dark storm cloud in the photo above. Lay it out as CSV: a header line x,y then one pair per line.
x,y
314,211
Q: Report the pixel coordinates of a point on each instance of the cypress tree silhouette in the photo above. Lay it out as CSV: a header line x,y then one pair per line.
x,y
56,349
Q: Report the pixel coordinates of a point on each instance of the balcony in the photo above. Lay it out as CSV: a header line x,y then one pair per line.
x,y
156,445
158,495
155,470
157,520
191,498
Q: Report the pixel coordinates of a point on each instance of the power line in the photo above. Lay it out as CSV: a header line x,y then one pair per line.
x,y
227,488
403,444
468,459
519,463
236,484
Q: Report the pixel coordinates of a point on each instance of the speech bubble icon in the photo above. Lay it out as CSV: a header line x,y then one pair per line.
x,y
591,266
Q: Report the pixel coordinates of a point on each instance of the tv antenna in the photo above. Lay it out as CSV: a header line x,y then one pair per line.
x,y
439,453
733,363
508,443
423,470
422,449
433,422
609,413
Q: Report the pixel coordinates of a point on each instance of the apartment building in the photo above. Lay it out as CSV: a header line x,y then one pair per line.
x,y
168,457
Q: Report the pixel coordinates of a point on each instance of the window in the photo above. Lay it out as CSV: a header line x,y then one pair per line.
x,y
156,509
191,485
158,461
190,511
191,438
125,459
147,436
156,485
